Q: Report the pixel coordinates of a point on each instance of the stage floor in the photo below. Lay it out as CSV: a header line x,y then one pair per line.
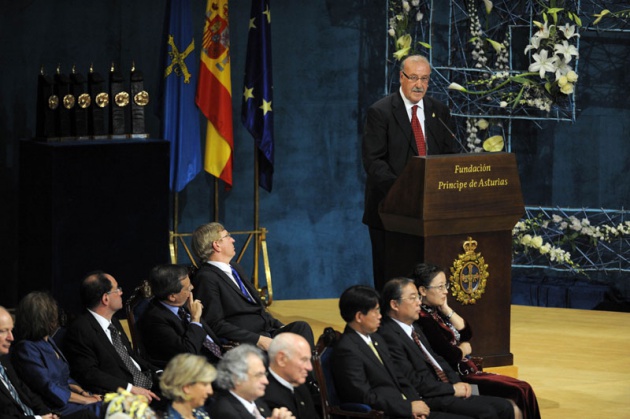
x,y
577,361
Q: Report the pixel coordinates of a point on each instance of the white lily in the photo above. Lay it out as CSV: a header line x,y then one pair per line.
x,y
543,63
567,50
535,44
568,31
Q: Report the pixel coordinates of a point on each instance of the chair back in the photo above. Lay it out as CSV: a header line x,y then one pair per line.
x,y
135,307
331,405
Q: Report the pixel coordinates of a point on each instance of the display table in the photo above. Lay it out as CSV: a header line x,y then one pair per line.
x,y
88,205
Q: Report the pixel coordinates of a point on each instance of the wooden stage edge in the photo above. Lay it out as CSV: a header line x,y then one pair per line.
x,y
576,360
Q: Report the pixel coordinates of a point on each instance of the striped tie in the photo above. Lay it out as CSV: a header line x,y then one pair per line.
x,y
438,370
5,378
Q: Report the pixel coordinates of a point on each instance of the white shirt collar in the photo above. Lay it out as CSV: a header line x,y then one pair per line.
x,y
281,380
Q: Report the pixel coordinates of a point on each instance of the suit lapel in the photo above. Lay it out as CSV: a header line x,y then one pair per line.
x,y
105,342
402,119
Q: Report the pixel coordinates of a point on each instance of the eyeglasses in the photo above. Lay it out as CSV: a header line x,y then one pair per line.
x,y
116,290
440,287
260,375
412,298
414,79
224,237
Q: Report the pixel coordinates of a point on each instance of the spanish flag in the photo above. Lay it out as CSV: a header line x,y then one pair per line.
x,y
214,91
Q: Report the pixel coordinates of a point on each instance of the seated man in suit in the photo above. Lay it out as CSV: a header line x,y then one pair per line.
x,y
172,322
232,305
242,378
289,367
16,399
440,386
97,347
363,369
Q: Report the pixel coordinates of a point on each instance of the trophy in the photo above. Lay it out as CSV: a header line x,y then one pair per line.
x,y
96,112
140,99
47,103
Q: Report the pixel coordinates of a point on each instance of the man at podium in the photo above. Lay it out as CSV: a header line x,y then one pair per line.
x,y
405,124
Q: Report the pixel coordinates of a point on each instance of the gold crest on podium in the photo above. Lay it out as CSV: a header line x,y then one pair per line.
x,y
469,274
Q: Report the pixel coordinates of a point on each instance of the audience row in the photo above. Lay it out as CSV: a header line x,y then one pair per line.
x,y
263,367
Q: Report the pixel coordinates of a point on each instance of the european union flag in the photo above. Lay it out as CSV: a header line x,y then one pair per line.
x,y
256,113
181,118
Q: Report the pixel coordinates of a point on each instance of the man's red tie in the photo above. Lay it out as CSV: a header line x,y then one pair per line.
x,y
438,370
417,132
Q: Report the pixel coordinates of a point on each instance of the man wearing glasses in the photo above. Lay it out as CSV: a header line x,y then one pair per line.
x,y
398,127
98,350
439,385
232,305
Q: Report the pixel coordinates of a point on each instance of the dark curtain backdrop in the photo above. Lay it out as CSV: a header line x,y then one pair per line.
x,y
330,64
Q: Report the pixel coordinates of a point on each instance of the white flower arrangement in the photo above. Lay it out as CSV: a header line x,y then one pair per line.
x,y
403,15
551,236
549,76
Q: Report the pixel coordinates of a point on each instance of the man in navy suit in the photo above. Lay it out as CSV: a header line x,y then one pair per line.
x,y
232,306
389,142
418,362
97,347
172,322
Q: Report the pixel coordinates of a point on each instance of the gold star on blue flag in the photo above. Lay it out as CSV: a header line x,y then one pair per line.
x,y
257,109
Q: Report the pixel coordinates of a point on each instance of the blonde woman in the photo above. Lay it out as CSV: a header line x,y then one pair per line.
x,y
187,382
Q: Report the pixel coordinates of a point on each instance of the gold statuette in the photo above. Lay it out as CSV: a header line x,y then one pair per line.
x,y
469,274
141,98
84,100
68,101
102,100
122,99
53,102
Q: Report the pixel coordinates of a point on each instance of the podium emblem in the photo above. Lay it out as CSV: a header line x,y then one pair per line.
x,y
469,274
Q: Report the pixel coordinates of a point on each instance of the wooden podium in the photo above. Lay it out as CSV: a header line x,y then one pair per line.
x,y
436,204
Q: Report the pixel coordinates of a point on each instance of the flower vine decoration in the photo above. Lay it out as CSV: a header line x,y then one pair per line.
x,y
403,15
550,75
620,14
550,236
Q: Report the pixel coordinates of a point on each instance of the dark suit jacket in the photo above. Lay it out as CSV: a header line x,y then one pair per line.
x,y
410,359
164,335
361,378
93,359
226,406
388,144
8,406
299,402
226,309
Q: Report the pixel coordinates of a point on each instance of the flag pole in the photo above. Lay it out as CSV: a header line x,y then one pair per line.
x,y
216,199
256,216
174,234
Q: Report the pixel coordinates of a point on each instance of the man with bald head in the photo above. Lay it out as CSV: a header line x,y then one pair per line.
x,y
289,368
97,347
16,399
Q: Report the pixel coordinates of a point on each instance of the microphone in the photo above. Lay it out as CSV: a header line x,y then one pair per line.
x,y
452,134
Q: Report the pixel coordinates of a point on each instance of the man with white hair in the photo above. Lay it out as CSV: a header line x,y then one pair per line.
x,y
242,378
289,368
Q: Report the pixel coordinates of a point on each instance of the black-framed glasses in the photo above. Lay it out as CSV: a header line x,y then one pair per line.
x,y
116,290
440,287
414,78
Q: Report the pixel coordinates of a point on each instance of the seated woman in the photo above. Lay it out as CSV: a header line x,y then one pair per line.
x,y
449,335
41,364
187,382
